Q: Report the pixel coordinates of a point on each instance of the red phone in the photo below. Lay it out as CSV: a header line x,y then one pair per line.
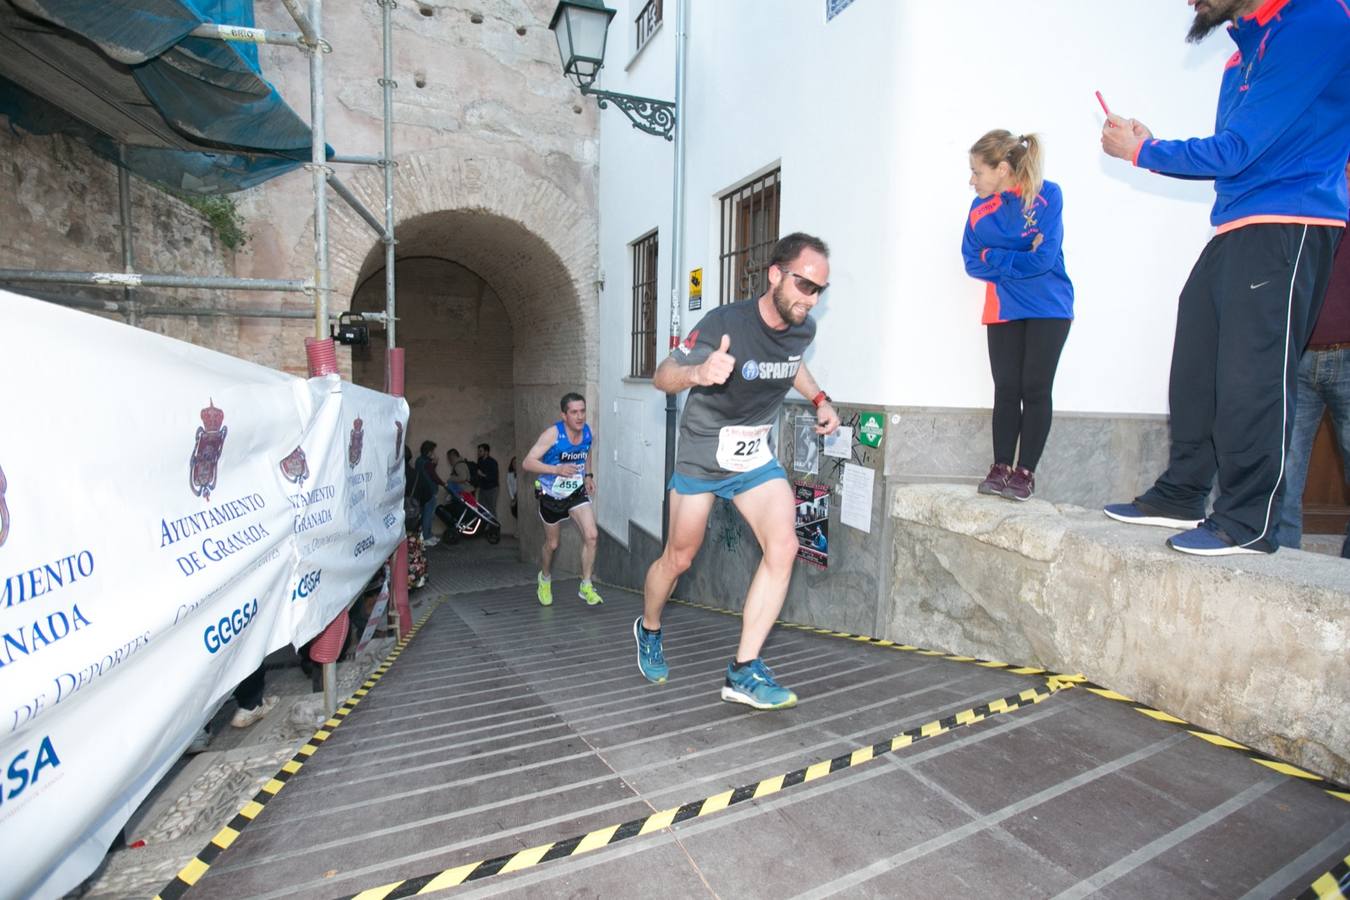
x,y
1106,109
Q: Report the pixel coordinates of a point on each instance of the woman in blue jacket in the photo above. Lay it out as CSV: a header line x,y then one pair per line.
x,y
1013,243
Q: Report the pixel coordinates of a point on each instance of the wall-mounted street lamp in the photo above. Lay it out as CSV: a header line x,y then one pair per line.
x,y
581,27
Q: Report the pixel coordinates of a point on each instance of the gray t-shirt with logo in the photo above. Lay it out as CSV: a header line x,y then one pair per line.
x,y
724,429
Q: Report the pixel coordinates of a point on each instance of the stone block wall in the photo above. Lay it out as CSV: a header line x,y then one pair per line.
x,y
1090,458
59,206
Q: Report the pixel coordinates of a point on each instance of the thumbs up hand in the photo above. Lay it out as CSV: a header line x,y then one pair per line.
x,y
717,368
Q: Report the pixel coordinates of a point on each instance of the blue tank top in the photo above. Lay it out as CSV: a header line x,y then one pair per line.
x,y
564,451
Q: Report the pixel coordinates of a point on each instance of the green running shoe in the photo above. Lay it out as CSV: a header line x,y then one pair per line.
x,y
545,591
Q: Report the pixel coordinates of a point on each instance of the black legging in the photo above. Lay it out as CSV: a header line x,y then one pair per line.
x,y
1023,355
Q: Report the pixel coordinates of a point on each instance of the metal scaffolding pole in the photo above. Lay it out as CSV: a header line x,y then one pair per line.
x,y
124,211
318,163
224,312
143,279
111,306
356,160
306,26
360,208
249,35
388,84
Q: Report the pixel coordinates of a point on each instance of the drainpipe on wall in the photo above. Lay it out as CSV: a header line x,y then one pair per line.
x,y
394,363
318,165
676,250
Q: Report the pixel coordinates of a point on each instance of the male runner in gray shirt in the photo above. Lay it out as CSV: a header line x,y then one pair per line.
x,y
738,364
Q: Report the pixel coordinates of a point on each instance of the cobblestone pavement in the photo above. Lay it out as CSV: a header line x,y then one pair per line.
x,y
203,792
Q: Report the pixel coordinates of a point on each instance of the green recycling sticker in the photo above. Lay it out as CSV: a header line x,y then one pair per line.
x,y
871,428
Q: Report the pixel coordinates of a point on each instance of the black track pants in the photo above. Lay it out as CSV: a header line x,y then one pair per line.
x,y
1243,318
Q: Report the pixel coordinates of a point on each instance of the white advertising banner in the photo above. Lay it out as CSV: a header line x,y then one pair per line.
x,y
169,515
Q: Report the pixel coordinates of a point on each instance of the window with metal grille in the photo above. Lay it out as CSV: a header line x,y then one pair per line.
x,y
647,20
644,308
749,231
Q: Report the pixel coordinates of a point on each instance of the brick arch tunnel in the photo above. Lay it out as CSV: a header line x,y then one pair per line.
x,y
493,334
497,309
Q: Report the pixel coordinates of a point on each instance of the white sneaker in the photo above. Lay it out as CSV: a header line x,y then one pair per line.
x,y
200,741
243,718
431,542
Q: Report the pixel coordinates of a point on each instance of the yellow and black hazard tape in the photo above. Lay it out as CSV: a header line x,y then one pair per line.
x,y
1339,791
892,645
613,834
1334,885
191,873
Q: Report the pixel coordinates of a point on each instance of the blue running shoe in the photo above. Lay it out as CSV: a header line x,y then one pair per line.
x,y
1210,540
1138,514
754,685
651,661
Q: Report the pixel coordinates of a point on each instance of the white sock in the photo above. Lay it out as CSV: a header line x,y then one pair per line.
x,y
585,582
543,577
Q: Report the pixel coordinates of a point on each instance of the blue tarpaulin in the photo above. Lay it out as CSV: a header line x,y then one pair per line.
x,y
193,113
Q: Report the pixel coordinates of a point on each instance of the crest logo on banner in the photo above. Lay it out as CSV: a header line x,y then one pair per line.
x,y
354,446
295,468
4,510
206,452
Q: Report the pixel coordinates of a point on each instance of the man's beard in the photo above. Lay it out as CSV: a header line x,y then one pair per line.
x,y
781,304
1216,12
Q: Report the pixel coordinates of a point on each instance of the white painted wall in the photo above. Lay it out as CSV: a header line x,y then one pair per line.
x,y
870,116
1130,236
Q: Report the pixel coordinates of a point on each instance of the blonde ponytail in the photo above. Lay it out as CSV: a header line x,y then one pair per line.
x,y
1022,153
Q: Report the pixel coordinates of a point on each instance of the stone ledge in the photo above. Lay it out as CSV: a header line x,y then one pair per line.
x,y
1253,647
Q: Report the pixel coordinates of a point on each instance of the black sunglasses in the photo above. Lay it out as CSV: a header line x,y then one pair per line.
x,y
806,285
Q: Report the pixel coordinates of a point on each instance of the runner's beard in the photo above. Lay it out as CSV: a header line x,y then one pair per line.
x,y
784,306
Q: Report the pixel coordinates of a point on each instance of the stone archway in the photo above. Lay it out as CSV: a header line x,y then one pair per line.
x,y
498,261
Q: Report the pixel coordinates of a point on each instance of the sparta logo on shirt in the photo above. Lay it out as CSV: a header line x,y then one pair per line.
x,y
689,342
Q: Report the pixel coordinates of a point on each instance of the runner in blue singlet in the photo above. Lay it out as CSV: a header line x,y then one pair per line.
x,y
563,486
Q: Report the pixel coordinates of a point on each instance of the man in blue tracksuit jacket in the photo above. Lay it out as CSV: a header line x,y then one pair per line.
x,y
1277,158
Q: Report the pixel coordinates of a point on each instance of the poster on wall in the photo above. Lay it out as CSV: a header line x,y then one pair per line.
x,y
174,515
813,523
805,446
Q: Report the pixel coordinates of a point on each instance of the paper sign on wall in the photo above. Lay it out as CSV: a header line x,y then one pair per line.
x,y
856,487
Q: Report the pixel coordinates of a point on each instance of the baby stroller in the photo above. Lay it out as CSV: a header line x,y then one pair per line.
x,y
464,515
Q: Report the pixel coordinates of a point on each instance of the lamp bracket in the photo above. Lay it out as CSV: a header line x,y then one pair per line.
x,y
652,116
